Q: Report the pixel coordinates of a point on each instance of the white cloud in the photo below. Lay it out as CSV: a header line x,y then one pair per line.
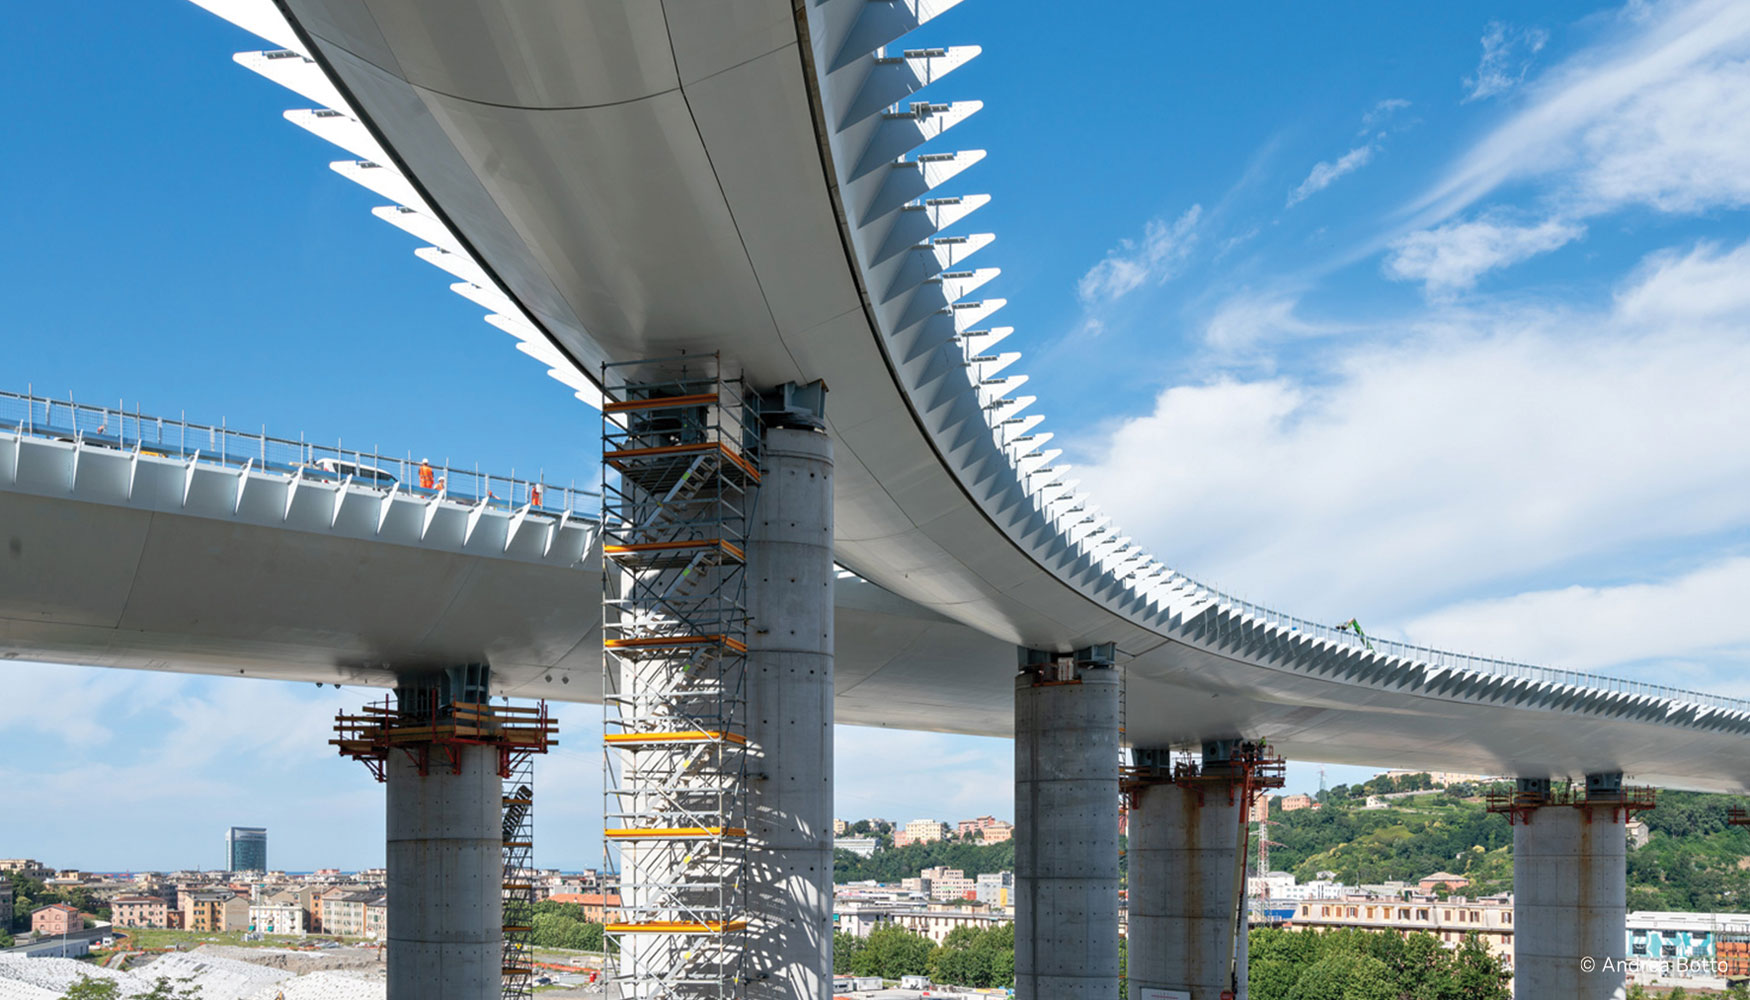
x,y
1247,320
892,774
1507,54
1451,257
1701,286
1693,617
1381,112
1652,119
1325,173
1131,264
1482,447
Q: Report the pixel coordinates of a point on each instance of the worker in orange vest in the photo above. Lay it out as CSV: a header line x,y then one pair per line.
x,y
425,475
535,495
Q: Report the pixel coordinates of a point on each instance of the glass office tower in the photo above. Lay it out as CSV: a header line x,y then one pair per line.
x,y
246,849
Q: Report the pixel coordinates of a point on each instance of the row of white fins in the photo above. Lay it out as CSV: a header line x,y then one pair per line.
x,y
334,120
913,259
895,133
906,256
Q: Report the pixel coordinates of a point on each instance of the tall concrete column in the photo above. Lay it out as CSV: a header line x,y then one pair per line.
x,y
1066,827
1186,871
445,861
1570,891
790,718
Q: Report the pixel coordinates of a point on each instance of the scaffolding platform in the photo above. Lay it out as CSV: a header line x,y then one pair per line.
x,y
1518,806
430,725
680,467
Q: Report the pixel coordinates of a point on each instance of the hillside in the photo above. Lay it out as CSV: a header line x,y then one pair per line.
x,y
897,863
1694,860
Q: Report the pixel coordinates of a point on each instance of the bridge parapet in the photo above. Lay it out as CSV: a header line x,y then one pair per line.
x,y
119,429
63,449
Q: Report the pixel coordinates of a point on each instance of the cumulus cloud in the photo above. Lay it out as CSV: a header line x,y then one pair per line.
x,y
1481,447
1131,264
1689,618
1325,173
1653,119
1507,55
1452,257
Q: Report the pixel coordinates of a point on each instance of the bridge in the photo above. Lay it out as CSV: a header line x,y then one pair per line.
x,y
642,182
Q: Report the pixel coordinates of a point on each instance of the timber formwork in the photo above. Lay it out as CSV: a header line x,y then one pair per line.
x,y
430,728
680,453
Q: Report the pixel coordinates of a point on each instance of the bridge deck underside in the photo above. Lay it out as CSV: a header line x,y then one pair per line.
x,y
115,586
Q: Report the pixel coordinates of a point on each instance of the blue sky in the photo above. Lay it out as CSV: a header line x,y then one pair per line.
x,y
1432,315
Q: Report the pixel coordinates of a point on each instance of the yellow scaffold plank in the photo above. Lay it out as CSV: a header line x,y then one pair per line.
x,y
676,642
677,736
673,832
679,927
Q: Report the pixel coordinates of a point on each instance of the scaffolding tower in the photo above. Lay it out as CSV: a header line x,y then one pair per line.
x,y
430,723
519,876
680,453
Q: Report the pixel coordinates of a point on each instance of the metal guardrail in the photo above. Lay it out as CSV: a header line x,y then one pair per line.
x,y
119,429
1089,547
1479,664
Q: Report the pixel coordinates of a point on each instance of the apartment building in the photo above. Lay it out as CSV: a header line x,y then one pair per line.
x,y
995,889
278,913
863,847
343,912
56,919
921,831
986,828
377,917
595,905
139,911
937,924
949,883
1450,919
214,910
28,867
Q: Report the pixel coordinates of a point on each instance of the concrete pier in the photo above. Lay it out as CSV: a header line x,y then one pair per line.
x,y
1570,892
1066,826
445,860
790,717
1185,871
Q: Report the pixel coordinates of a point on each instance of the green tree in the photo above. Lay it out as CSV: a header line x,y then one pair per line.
x,y
960,966
891,952
1477,974
1272,978
165,988
561,925
844,946
1345,976
88,988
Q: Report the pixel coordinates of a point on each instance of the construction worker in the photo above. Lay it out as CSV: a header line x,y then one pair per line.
x,y
1354,626
534,494
426,480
